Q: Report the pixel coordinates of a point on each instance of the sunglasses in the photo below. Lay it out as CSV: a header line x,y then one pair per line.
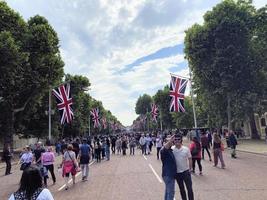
x,y
177,139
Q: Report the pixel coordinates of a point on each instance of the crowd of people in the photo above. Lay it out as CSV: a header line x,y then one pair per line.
x,y
178,161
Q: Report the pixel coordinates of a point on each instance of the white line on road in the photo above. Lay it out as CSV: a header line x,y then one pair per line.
x,y
78,174
145,157
155,173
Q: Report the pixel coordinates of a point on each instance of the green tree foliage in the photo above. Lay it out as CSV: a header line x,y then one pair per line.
x,y
186,119
143,104
30,65
219,55
30,61
162,100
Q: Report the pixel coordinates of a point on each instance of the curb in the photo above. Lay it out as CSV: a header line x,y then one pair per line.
x,y
244,151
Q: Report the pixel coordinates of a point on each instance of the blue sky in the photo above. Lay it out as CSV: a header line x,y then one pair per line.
x,y
125,47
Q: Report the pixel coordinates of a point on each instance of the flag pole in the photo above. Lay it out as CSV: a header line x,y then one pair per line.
x,y
49,114
192,97
160,112
89,125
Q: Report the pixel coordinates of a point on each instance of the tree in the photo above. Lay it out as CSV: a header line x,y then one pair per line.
x,y
185,119
143,104
162,100
218,53
30,62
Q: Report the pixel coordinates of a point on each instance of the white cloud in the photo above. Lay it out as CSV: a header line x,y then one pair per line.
x,y
99,38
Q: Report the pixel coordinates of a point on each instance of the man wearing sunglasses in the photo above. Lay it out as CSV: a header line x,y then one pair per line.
x,y
183,160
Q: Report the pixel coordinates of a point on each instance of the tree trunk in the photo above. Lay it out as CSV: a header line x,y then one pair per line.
x,y
10,131
229,112
254,132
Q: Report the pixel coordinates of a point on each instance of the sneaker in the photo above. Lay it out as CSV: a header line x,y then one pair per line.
x,y
200,173
210,160
66,188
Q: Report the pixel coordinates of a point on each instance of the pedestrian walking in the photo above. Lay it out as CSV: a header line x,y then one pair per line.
x,y
118,146
107,149
98,151
169,168
158,145
7,158
142,142
132,144
183,160
84,157
26,158
113,144
217,150
31,186
233,143
69,164
195,149
48,159
205,145
124,145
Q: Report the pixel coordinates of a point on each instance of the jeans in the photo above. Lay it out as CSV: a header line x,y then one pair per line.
x,y
169,187
158,150
8,166
218,154
185,177
108,153
132,150
51,169
85,170
207,149
198,162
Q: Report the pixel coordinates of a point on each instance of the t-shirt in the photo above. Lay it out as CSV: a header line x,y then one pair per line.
x,y
44,195
181,157
158,143
85,149
37,154
69,156
26,157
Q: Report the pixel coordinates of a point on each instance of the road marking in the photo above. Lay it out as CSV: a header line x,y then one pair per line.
x,y
145,157
155,173
78,174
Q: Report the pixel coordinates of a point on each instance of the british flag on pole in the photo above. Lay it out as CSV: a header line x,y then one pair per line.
x,y
64,102
177,90
95,113
154,112
104,122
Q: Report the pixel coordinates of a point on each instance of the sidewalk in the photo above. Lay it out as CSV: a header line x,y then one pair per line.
x,y
248,145
252,146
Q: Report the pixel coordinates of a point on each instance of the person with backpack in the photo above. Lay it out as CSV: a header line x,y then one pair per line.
x,y
233,143
205,145
195,149
84,157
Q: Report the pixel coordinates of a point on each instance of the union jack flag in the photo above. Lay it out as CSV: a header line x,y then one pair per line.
x,y
104,122
64,103
177,90
95,114
154,112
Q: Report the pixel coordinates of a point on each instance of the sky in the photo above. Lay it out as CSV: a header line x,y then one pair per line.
x,y
124,47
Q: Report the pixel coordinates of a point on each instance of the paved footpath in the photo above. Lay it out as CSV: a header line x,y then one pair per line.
x,y
139,177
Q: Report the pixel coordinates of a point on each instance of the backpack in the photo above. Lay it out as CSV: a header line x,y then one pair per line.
x,y
195,150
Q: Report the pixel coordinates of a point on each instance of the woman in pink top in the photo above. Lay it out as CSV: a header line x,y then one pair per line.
x,y
195,149
48,159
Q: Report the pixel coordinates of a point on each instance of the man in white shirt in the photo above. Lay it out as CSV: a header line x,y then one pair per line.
x,y
183,160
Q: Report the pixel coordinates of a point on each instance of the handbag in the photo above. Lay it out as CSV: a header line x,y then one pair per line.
x,y
222,146
24,166
77,169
